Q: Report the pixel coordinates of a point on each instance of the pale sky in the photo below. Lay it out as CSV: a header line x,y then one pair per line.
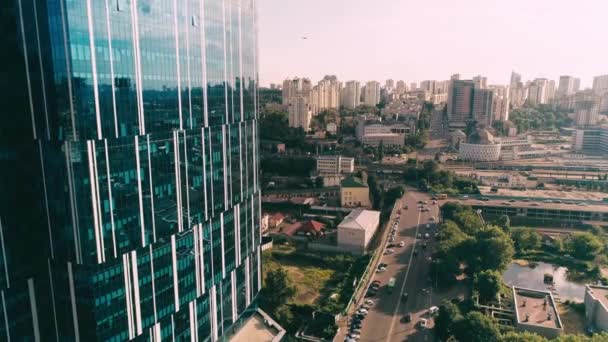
x,y
416,40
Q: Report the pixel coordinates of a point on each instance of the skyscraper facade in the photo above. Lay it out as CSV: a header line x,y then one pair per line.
x,y
350,95
468,102
129,194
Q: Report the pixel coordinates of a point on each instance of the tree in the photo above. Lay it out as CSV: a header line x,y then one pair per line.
x,y
468,221
504,222
522,337
477,327
488,285
277,290
450,209
381,150
584,245
447,317
493,250
319,182
525,239
375,193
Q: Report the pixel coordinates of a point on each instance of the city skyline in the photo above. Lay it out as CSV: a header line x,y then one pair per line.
x,y
505,41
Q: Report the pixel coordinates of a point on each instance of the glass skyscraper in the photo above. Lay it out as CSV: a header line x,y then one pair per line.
x,y
129,193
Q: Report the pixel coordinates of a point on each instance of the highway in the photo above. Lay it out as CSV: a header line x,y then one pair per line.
x,y
384,321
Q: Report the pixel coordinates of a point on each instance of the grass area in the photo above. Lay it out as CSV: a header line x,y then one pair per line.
x,y
572,316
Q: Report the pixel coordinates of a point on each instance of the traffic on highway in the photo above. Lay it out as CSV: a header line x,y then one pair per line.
x,y
400,303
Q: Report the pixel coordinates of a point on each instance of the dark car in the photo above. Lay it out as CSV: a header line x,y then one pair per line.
x,y
404,297
415,252
407,318
424,245
382,264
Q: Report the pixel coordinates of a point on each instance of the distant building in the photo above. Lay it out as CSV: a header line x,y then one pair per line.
x,y
466,102
373,131
357,229
335,164
350,95
500,103
480,82
536,312
401,87
587,108
538,92
325,95
372,93
480,146
389,85
295,87
596,307
300,113
331,128
566,86
275,220
600,84
354,193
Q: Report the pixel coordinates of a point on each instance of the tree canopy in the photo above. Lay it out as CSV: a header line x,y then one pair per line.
x,y
525,239
278,289
487,284
584,245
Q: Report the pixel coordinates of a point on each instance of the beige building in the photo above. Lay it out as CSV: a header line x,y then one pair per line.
x,y
536,312
335,164
357,229
596,307
300,114
354,193
372,93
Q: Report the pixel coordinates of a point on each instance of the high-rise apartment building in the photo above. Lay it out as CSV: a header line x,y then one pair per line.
x,y
326,94
300,113
401,87
517,92
566,86
577,85
480,82
389,85
587,108
350,95
372,93
500,106
538,92
466,102
130,200
295,87
600,84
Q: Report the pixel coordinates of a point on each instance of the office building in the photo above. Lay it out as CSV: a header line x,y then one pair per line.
x,y
350,95
372,93
466,102
600,84
517,93
295,87
354,192
566,86
130,202
591,140
335,164
587,108
299,111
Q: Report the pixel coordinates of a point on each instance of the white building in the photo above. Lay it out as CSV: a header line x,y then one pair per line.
x,y
500,104
566,86
538,92
299,112
600,84
596,307
295,87
386,139
350,95
335,164
325,95
357,229
479,152
372,93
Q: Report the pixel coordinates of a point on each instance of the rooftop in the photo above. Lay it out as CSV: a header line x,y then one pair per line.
x,y
538,205
535,308
600,293
361,219
352,182
259,327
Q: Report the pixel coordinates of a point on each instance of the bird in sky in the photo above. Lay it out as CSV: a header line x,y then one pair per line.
x,y
303,37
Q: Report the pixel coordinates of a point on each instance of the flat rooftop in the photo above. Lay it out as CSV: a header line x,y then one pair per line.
x,y
534,307
259,327
575,195
600,293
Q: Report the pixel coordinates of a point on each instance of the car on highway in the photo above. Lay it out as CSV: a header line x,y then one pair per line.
x,y
369,302
419,235
355,331
402,243
354,336
380,270
406,207
424,245
407,318
423,323
433,310
428,226
362,312
432,218
421,202
389,251
415,252
426,236
434,202
404,297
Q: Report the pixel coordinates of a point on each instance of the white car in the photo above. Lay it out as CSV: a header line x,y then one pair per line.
x,y
433,310
426,236
362,312
381,269
423,323
432,218
401,244
369,302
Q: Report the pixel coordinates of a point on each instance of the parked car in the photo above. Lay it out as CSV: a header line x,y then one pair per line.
x,y
423,323
401,244
433,310
407,318
404,297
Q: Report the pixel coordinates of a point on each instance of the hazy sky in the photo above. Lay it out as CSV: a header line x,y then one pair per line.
x,y
416,40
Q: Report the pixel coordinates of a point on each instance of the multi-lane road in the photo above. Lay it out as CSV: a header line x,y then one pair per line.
x,y
385,319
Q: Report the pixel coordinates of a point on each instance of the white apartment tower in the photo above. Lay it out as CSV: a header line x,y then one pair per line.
x,y
299,112
372,93
600,84
294,87
350,95
566,86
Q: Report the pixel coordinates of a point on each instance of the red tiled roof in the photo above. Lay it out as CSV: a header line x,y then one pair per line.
x,y
312,225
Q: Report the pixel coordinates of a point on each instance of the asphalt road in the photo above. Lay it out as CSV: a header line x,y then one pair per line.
x,y
384,320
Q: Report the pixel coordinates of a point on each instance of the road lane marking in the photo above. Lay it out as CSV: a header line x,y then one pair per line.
x,y
409,266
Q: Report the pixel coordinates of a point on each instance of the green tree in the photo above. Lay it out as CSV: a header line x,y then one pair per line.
x,y
278,289
450,209
284,316
448,316
487,284
468,221
522,337
504,222
493,250
583,245
477,327
375,193
319,182
381,150
525,239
